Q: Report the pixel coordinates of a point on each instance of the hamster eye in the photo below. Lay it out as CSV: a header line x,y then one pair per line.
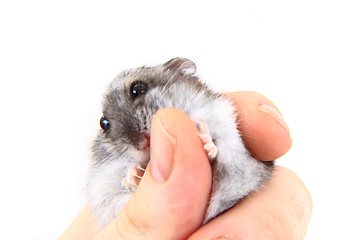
x,y
138,88
104,123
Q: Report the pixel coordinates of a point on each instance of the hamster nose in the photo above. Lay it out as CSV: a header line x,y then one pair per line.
x,y
145,143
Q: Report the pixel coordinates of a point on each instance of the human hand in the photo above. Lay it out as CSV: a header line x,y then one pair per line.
x,y
171,199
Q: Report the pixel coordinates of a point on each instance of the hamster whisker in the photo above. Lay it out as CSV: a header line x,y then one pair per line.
x,y
165,86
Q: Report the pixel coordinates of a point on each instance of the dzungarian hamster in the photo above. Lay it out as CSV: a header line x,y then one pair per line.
x,y
121,147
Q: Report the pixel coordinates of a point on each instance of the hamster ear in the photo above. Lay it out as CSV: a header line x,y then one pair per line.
x,y
185,66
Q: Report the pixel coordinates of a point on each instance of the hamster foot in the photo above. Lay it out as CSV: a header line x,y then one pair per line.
x,y
205,137
133,177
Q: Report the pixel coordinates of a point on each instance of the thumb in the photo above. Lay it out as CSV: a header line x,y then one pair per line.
x,y
171,199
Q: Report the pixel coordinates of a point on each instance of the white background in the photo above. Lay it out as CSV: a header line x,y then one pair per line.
x,y
56,59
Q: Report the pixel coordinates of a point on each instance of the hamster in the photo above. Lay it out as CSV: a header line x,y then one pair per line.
x,y
120,151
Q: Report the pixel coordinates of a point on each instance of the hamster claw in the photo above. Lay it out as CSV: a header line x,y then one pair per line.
x,y
133,178
204,134
140,167
127,185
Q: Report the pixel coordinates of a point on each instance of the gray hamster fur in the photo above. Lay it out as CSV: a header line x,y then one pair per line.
x,y
131,100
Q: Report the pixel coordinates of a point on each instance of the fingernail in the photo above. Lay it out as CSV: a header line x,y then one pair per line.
x,y
274,114
162,148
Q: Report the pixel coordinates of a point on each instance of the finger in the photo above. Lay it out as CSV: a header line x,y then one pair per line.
x,y
264,130
281,210
171,199
84,226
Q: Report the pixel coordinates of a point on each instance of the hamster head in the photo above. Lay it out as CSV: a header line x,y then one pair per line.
x,y
134,97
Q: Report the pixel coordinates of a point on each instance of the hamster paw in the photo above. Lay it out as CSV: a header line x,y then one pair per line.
x,y
133,177
204,134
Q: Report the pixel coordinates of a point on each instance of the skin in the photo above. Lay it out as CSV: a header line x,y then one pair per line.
x,y
171,199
